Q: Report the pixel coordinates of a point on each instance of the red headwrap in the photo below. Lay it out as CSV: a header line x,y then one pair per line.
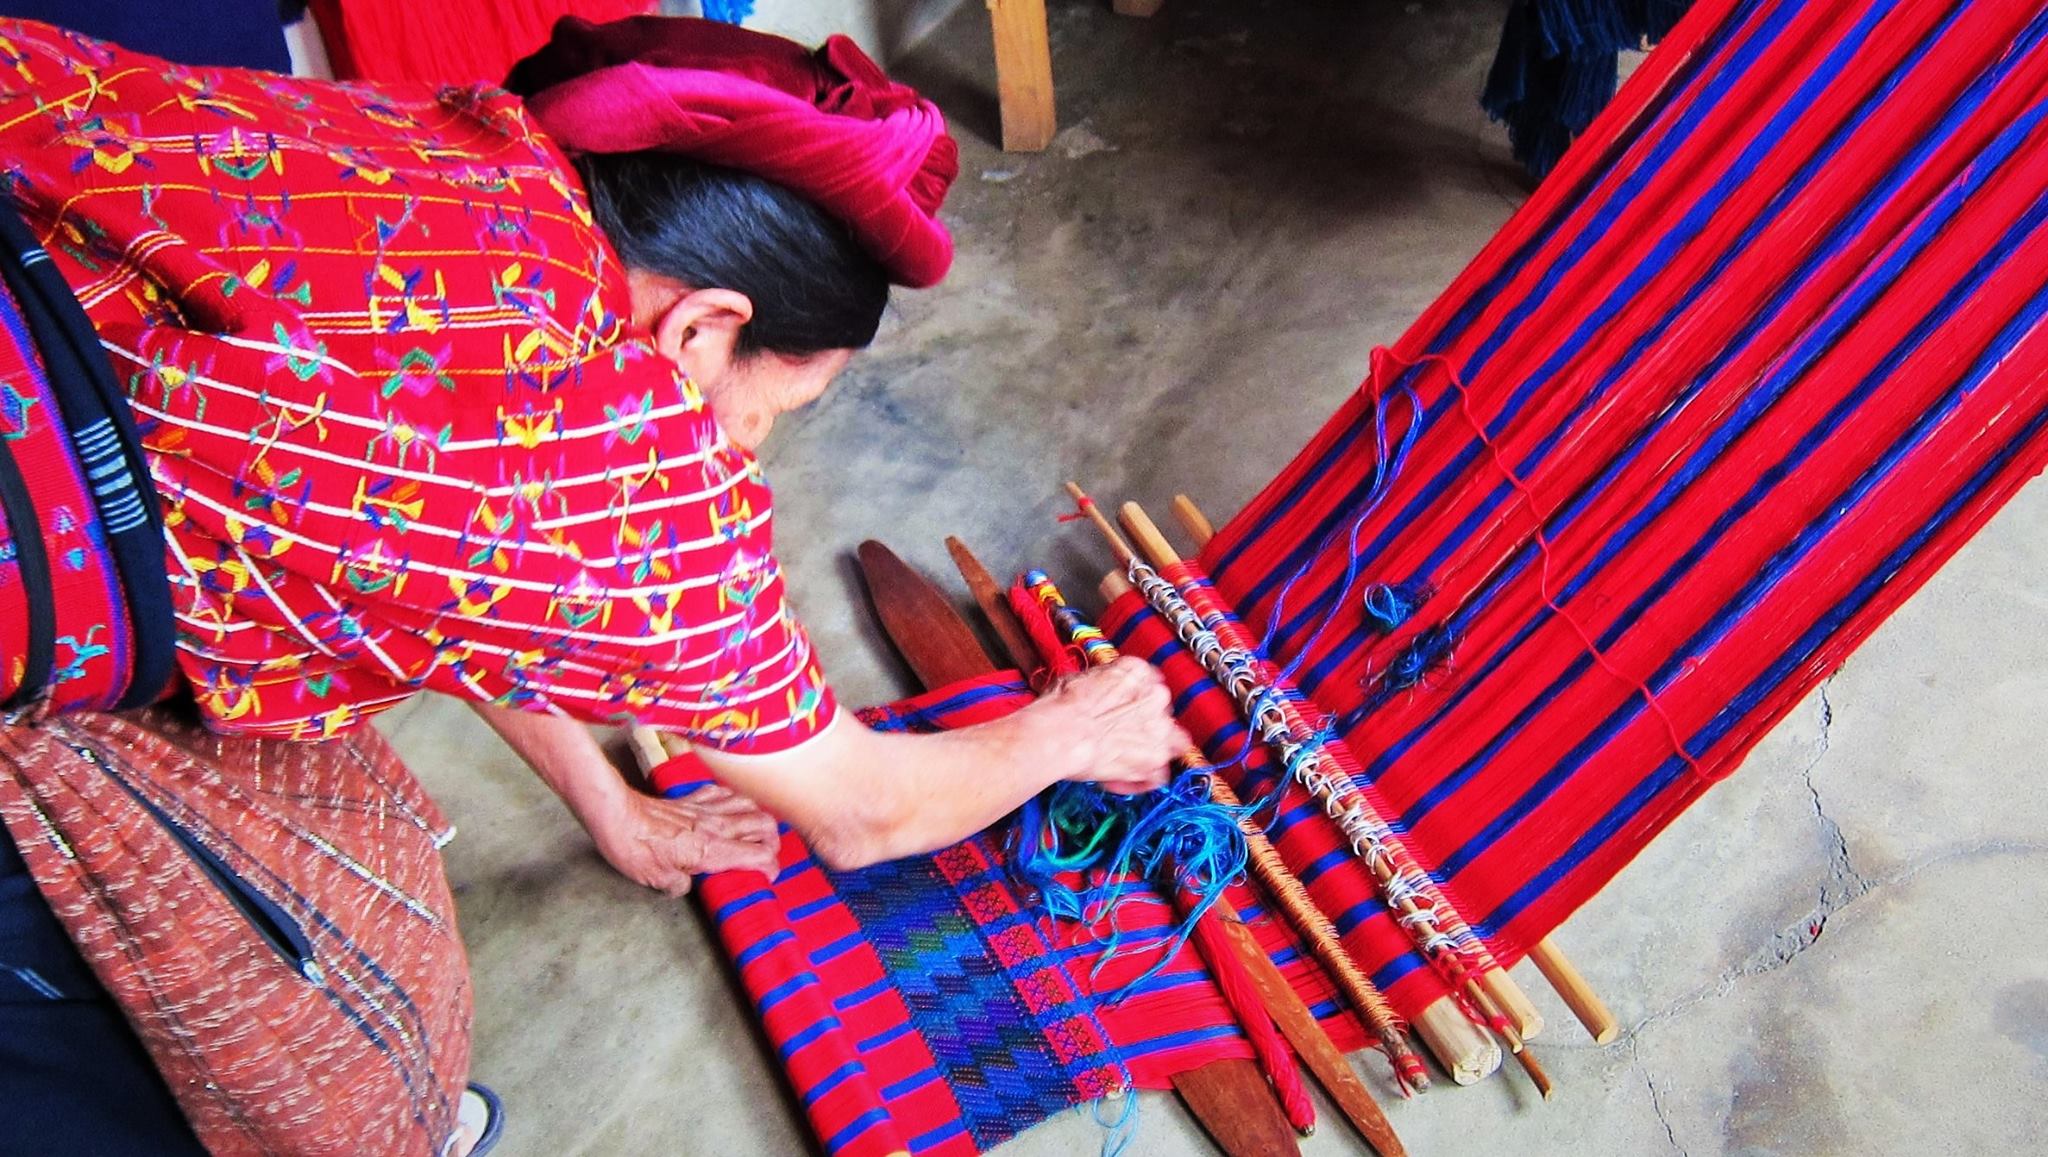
x,y
827,124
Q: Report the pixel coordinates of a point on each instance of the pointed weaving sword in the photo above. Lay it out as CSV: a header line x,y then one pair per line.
x,y
1557,968
1228,1098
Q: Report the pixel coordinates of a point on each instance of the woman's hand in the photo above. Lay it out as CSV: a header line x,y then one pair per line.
x,y
656,842
1114,726
662,843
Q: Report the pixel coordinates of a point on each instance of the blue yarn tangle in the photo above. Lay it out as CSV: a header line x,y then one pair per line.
x,y
728,11
1389,605
1084,851
1558,66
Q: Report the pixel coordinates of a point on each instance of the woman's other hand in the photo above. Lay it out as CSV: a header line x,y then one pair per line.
x,y
660,843
1116,725
663,843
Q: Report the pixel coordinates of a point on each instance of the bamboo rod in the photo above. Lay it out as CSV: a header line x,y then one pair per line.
x,y
1513,1001
1572,988
1193,521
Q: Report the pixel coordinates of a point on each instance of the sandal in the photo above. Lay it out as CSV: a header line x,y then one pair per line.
x,y
479,1114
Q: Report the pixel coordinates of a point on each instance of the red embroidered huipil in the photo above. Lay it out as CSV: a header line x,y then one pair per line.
x,y
403,437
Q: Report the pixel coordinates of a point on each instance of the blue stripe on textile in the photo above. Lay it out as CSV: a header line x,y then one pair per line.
x,y
761,947
816,1029
909,1084
855,1128
781,992
1725,721
1732,69
861,995
811,908
925,1142
929,716
1955,299
885,1037
725,911
829,1082
1167,1041
837,948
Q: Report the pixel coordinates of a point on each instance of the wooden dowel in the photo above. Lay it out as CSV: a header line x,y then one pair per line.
x,y
1466,1051
1117,546
1572,988
649,752
1193,521
1513,1002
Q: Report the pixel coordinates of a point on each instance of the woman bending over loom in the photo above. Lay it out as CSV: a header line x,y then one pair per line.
x,y
409,391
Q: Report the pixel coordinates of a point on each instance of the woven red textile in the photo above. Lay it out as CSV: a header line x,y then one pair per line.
x,y
1763,351
925,1005
1760,356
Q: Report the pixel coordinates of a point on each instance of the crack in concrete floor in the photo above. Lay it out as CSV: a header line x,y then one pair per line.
x,y
1635,1054
1842,886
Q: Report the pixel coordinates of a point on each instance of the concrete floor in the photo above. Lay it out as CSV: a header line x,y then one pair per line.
x,y
1247,197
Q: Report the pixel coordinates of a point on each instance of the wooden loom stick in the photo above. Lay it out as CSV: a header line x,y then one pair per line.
x,y
650,750
1464,1050
1557,968
1229,1098
1193,521
1160,553
994,604
1289,1011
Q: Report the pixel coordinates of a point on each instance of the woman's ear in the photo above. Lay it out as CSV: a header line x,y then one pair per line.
x,y
700,331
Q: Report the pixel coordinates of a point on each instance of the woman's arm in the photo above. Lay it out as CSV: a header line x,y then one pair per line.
x,y
860,797
656,842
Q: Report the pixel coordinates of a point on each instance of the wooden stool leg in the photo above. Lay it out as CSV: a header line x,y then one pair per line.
x,y
1023,74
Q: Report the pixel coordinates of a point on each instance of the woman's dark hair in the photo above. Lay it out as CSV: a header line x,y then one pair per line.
x,y
813,287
